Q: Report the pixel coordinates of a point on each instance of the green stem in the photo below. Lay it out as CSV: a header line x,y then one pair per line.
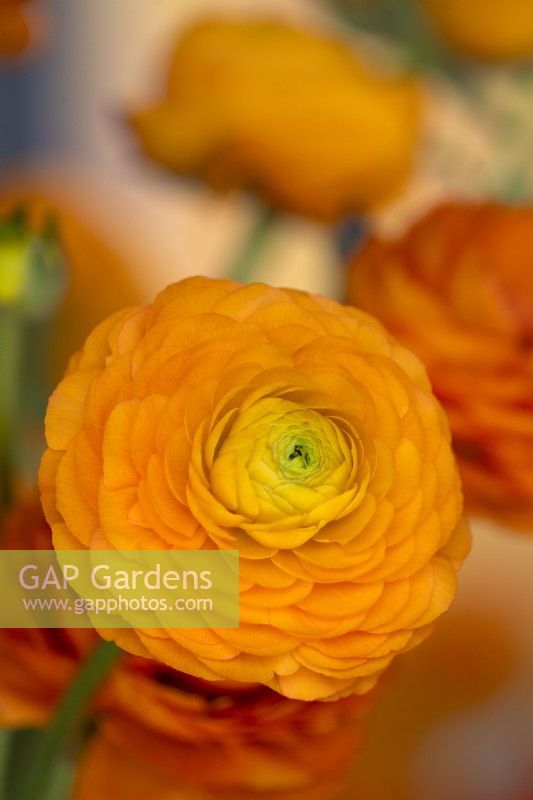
x,y
10,356
246,260
42,763
5,743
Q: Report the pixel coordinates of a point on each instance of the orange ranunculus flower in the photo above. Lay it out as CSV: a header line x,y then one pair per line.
x,y
187,738
99,276
283,425
458,290
489,29
291,113
36,665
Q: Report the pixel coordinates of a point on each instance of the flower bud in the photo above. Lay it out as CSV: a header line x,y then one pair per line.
x,y
32,268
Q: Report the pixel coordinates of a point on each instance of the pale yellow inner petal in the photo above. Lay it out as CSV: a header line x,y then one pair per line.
x,y
280,460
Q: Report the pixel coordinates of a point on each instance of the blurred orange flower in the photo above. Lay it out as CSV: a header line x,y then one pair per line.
x,y
489,29
15,33
99,277
165,730
296,115
36,665
187,738
458,290
285,426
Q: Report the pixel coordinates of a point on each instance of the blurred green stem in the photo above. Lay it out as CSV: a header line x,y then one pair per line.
x,y
246,260
5,741
10,355
32,282
42,763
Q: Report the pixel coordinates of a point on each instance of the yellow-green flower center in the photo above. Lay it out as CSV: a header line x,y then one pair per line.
x,y
284,466
298,457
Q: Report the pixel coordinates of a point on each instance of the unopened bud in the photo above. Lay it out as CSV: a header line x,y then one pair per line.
x,y
33,274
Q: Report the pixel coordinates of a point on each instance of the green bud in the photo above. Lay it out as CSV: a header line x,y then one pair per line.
x,y
33,274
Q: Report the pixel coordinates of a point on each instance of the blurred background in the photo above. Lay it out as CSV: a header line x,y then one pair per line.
x,y
456,721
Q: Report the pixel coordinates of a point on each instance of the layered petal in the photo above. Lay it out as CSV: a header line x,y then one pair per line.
x,y
322,457
457,289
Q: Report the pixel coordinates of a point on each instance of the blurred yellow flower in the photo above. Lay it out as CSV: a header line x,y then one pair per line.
x,y
285,426
293,114
489,29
